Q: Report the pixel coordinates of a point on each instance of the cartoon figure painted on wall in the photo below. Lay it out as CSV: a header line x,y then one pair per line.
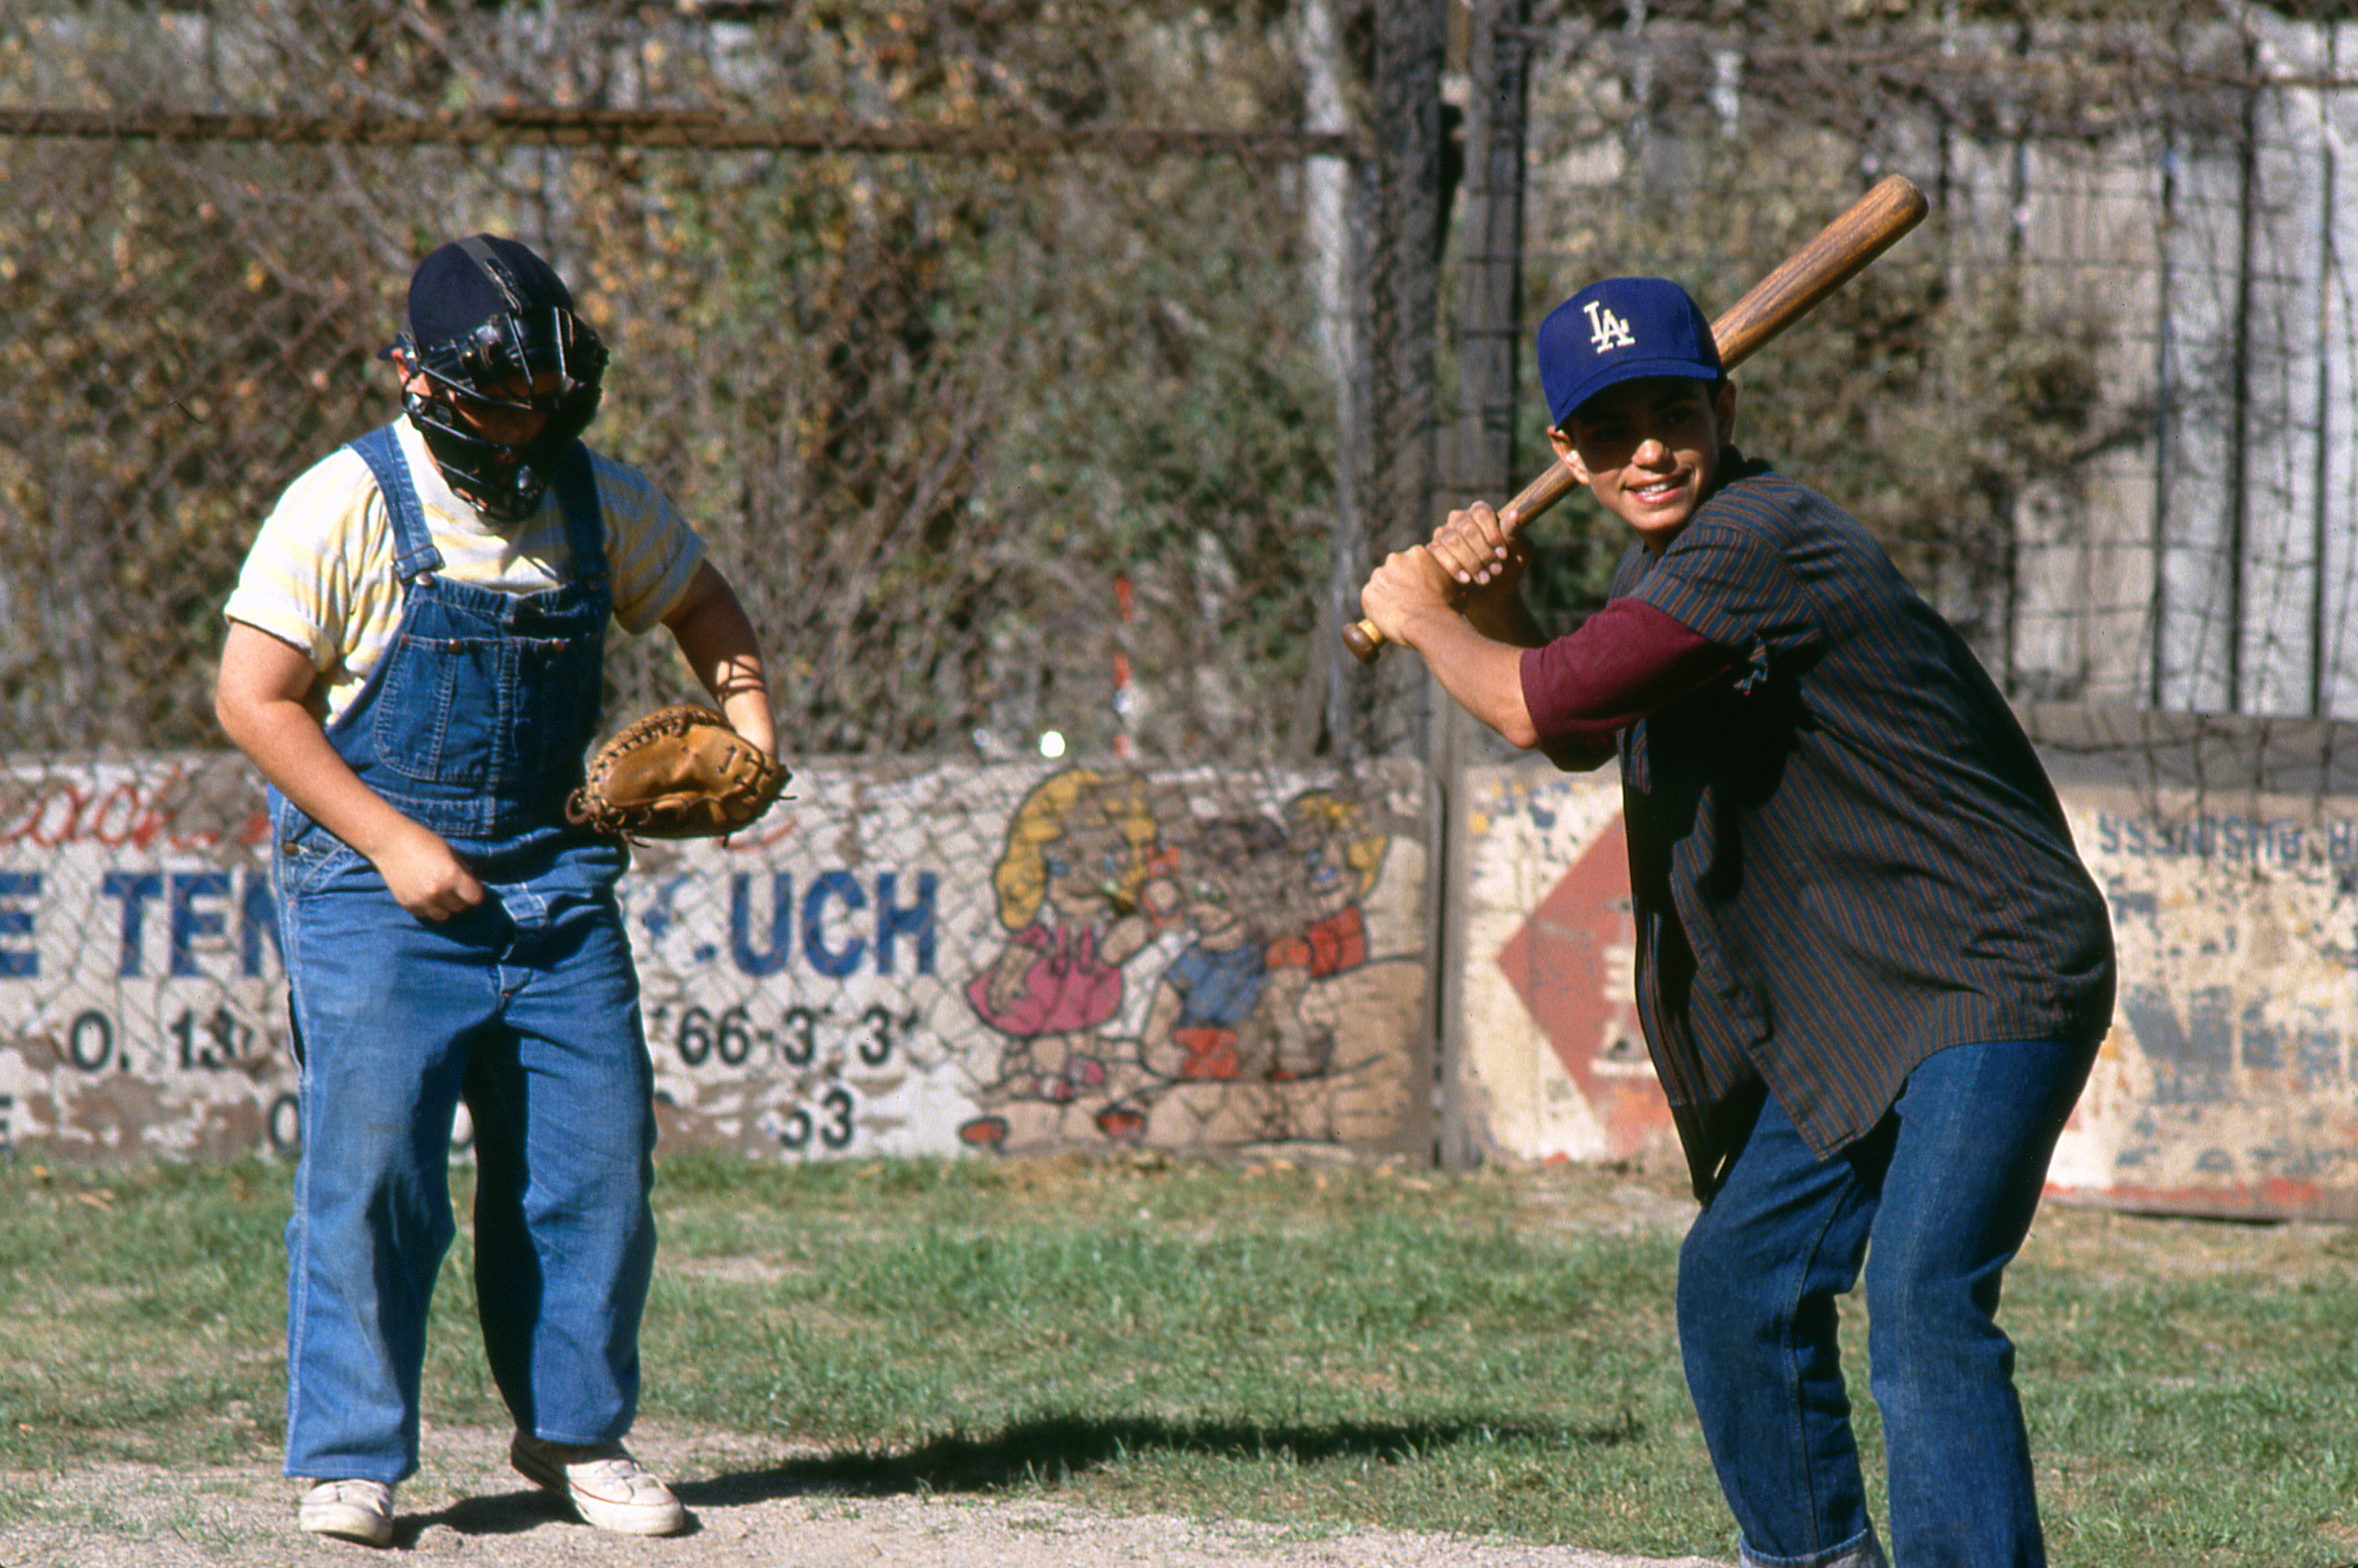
x,y
1321,1051
1079,895
1337,859
1207,1023
1244,933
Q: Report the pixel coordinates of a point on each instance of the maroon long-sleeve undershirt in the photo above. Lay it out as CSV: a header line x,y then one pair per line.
x,y
1626,661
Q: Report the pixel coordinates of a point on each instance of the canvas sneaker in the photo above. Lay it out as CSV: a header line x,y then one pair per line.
x,y
606,1486
352,1510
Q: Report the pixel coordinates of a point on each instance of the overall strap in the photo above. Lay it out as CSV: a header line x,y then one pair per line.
x,y
576,483
414,554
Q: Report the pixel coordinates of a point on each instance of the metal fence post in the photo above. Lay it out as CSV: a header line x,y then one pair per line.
x,y
1404,310
1482,454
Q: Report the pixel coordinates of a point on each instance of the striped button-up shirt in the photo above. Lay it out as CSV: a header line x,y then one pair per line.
x,y
1844,853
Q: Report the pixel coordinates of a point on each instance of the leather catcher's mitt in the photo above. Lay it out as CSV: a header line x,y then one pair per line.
x,y
679,772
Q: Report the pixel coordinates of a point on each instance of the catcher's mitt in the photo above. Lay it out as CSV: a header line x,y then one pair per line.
x,y
679,772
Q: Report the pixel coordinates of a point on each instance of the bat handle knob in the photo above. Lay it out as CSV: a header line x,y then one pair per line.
x,y
1364,641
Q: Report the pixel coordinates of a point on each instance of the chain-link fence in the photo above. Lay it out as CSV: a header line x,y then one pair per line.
x,y
1008,413
2099,405
1025,387
1011,413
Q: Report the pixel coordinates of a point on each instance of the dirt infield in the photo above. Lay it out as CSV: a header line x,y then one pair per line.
x,y
466,1506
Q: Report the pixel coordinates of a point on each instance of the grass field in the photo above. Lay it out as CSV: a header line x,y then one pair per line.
x,y
1320,1345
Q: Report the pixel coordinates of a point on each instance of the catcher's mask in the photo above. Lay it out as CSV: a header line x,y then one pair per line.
x,y
525,351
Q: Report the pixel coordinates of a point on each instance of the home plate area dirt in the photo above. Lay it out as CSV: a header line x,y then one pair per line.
x,y
466,1506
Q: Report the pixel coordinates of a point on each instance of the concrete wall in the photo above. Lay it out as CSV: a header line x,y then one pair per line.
x,y
825,987
851,979
2228,852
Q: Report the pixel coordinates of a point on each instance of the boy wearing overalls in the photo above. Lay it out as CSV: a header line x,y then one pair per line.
x,y
415,661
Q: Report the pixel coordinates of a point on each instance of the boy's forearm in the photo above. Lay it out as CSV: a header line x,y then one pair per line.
x,y
1482,673
286,742
1503,617
720,645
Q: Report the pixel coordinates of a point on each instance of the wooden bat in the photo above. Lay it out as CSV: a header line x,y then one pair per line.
x,y
1843,250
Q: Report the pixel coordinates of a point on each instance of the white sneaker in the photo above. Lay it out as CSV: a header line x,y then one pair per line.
x,y
352,1510
606,1486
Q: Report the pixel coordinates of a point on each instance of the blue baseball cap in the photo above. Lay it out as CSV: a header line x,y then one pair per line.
x,y
460,286
1620,330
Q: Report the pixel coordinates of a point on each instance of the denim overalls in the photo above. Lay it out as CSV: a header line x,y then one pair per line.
x,y
473,723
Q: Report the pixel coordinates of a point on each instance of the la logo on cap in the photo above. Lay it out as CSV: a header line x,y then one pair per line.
x,y
1608,331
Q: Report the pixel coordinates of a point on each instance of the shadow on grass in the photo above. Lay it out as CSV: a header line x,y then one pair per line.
x,y
1051,1448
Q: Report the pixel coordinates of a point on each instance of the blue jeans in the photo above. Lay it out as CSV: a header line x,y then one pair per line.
x,y
1937,1200
527,1006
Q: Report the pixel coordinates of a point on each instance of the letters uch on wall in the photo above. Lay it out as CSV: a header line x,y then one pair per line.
x,y
921,960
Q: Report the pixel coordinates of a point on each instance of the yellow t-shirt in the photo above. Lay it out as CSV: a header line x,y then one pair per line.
x,y
320,577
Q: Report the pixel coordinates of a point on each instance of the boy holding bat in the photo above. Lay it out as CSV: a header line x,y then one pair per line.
x,y
1872,971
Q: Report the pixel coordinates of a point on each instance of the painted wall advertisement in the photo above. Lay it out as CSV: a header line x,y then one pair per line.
x,y
930,960
2224,1085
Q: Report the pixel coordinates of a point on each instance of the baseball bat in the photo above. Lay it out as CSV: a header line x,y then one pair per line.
x,y
1841,251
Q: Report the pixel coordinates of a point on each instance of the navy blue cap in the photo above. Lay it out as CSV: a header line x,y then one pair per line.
x,y
466,283
1620,330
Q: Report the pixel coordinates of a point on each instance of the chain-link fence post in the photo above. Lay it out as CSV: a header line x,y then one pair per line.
x,y
1404,310
1482,455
